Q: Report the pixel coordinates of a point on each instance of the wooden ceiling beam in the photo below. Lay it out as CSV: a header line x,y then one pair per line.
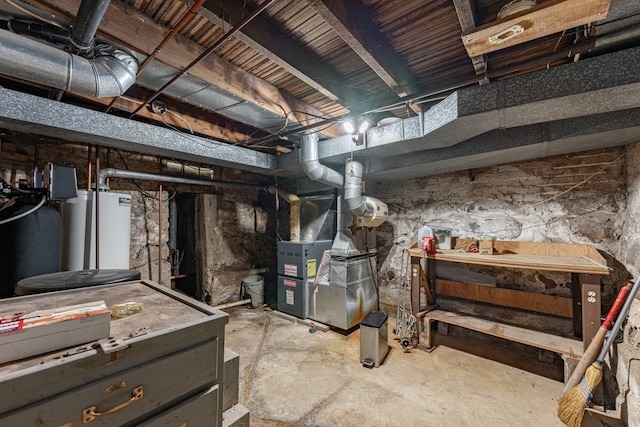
x,y
359,32
128,27
265,39
467,18
547,18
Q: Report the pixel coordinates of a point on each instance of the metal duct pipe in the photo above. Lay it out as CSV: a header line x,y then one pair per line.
x,y
110,73
145,176
42,31
294,211
356,203
311,165
86,24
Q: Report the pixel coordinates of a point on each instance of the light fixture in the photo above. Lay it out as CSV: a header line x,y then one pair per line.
x,y
349,126
364,125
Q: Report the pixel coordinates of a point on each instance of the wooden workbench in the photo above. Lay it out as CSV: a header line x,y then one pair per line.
x,y
584,263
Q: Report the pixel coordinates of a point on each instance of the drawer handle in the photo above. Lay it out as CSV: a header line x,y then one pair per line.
x,y
92,412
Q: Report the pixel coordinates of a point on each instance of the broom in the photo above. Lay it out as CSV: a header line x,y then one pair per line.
x,y
573,403
596,343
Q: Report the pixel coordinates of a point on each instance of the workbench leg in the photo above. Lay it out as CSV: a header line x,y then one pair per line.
x,y
415,285
431,277
587,306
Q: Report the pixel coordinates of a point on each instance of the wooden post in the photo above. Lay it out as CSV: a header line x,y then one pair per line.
x,y
160,236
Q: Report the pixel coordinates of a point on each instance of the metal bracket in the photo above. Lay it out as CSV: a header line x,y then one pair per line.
x,y
110,345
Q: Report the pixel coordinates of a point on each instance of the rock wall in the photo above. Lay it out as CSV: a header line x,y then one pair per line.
x,y
579,198
147,234
236,239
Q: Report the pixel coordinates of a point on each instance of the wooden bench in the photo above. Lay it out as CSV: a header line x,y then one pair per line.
x,y
583,262
569,349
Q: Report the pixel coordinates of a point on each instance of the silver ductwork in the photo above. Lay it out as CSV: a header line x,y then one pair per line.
x,y
110,73
311,165
369,212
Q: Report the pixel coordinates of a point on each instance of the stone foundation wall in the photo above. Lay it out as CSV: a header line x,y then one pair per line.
x,y
579,198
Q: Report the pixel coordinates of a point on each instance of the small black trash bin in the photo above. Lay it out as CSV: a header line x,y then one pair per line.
x,y
73,279
373,339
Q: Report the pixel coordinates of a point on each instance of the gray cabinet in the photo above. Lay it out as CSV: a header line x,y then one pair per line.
x,y
162,367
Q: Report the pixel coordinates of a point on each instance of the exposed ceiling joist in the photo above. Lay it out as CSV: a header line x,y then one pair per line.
x,y
123,24
350,21
467,18
270,43
547,18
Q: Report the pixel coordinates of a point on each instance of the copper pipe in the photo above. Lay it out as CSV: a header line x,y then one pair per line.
x,y
89,178
97,212
186,18
207,52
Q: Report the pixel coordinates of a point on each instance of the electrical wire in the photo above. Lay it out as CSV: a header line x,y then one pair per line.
x,y
38,14
23,214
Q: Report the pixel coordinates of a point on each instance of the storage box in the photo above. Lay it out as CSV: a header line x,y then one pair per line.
x,y
43,331
443,238
486,246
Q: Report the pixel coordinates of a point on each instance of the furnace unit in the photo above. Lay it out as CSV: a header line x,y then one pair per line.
x,y
297,263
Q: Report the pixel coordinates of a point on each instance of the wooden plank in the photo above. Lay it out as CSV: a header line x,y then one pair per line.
x,y
555,343
364,38
548,304
263,38
545,19
466,16
574,258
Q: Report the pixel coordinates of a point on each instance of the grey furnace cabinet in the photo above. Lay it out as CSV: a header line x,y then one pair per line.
x,y
161,367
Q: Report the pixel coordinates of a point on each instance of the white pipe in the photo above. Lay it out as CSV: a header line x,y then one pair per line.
x,y
145,176
110,73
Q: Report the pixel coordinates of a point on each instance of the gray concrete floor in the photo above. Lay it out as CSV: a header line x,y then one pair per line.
x,y
290,376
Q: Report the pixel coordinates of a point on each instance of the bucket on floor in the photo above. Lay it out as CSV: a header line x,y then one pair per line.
x,y
254,286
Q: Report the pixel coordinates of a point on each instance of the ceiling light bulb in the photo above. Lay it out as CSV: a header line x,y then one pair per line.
x,y
348,126
364,125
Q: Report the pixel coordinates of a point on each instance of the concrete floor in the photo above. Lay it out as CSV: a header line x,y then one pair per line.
x,y
290,376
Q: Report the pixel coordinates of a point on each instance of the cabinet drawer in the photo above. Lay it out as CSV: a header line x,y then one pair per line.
x,y
200,410
158,384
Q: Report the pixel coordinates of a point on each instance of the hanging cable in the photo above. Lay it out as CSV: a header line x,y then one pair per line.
x,y
23,214
207,52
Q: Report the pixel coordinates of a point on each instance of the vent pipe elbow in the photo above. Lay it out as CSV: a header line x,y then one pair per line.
x,y
109,74
311,165
353,190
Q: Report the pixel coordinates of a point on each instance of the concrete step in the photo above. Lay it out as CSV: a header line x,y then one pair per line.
x,y
231,373
236,416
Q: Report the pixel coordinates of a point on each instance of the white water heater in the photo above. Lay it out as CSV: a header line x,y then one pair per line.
x,y
78,246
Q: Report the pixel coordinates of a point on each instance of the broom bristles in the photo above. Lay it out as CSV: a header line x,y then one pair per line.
x,y
573,403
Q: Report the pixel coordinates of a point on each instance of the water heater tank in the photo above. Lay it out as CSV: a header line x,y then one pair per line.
x,y
78,243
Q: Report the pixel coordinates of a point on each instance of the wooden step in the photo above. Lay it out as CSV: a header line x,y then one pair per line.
x,y
566,347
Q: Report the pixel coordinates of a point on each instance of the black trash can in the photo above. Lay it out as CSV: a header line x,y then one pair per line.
x,y
73,279
373,339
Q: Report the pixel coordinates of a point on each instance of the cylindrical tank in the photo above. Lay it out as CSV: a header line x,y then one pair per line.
x,y
30,246
78,244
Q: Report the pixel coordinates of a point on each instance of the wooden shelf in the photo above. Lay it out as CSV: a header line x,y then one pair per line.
x,y
574,258
561,345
